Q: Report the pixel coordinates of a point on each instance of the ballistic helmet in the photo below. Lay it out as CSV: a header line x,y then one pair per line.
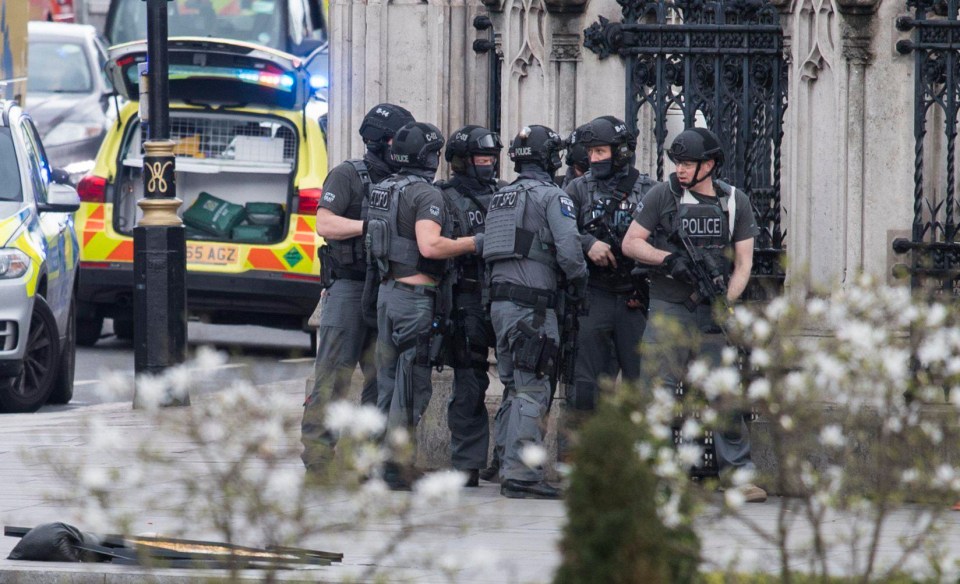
x,y
576,153
383,122
537,144
417,145
470,140
696,145
609,131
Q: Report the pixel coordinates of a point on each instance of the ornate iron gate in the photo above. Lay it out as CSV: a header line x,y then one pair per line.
x,y
935,261
722,60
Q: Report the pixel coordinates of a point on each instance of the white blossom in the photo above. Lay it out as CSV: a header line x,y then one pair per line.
x,y
644,450
909,476
151,391
786,422
533,455
722,382
691,429
208,358
359,421
761,330
729,355
734,498
669,511
760,358
832,436
440,487
690,454
697,371
742,476
759,389
95,477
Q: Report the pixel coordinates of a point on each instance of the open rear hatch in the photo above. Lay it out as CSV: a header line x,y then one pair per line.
x,y
217,72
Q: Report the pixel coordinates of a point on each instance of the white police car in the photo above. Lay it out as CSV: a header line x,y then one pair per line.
x,y
38,270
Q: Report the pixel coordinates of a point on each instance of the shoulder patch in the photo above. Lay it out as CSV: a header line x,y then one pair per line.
x,y
435,210
329,196
566,207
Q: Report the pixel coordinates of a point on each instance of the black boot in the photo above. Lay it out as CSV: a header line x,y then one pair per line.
x,y
491,474
396,477
473,478
515,489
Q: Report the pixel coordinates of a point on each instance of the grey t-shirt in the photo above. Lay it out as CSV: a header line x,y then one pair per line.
x,y
419,201
658,209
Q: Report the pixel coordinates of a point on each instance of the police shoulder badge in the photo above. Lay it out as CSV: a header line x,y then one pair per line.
x,y
329,196
435,210
566,207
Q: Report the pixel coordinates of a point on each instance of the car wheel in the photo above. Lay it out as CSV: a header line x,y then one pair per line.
x,y
123,328
31,389
62,391
88,330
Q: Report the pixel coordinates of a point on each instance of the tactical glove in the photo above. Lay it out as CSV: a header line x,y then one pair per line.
x,y
679,268
478,242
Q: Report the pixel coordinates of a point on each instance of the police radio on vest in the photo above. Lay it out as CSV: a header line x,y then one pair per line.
x,y
702,225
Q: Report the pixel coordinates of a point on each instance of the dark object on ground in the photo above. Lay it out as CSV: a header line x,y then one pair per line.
x,y
170,552
55,542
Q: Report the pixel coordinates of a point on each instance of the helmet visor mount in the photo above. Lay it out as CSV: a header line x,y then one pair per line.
x,y
489,142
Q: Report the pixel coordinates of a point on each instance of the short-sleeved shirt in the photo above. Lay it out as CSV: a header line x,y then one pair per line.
x,y
419,201
658,209
343,189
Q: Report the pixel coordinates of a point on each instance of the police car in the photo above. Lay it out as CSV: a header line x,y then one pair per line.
x,y
38,269
250,163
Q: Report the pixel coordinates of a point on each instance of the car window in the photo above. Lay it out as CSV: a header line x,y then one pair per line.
x,y
58,68
39,170
101,61
255,21
10,187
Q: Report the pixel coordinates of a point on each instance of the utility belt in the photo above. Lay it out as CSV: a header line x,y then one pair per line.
x,y
429,344
333,260
522,295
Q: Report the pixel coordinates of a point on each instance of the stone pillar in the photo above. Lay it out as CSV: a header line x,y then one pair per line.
x,y
416,54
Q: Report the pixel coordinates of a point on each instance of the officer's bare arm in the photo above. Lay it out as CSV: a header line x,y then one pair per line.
x,y
636,246
434,246
742,265
335,227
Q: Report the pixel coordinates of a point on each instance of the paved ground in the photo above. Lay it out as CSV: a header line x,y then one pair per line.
x,y
481,538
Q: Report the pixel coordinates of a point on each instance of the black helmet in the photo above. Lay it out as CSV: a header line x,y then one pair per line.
x,y
696,145
576,153
417,145
609,131
537,144
383,122
470,140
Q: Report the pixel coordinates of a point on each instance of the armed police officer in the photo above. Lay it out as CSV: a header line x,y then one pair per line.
x,y
694,213
531,238
473,153
606,197
409,238
577,161
343,338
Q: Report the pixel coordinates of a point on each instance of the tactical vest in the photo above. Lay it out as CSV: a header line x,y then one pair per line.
x,y
506,236
384,243
615,213
469,213
709,227
348,256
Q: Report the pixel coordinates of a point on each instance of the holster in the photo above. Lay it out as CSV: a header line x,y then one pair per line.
x,y
431,346
535,352
326,267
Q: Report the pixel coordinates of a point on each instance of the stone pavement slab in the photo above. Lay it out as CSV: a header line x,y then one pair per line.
x,y
481,538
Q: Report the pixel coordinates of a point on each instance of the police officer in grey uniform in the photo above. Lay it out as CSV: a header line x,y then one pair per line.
x,y
531,238
343,338
409,237
473,153
606,197
719,221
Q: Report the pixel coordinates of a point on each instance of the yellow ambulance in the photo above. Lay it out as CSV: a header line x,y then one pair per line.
x,y
250,163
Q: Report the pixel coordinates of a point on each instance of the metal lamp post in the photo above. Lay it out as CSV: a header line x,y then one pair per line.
x,y
159,262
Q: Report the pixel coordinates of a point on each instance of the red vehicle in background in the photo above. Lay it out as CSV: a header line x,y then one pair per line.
x,y
52,10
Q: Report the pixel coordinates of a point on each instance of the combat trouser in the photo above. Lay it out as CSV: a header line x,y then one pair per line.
x,y
523,421
404,312
467,410
343,341
608,343
732,443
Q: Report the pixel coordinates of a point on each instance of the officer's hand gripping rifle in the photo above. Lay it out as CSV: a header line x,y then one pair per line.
x,y
599,227
709,279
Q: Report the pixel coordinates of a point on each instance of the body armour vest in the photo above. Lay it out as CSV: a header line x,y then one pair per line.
x,y
507,237
612,214
708,226
348,256
469,211
384,243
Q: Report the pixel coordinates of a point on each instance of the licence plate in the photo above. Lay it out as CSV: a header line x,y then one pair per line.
x,y
211,254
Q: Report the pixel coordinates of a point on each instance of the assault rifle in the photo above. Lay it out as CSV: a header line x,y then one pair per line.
x,y
626,267
709,279
571,305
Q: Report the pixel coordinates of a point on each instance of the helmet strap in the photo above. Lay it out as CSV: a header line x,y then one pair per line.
x,y
696,180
